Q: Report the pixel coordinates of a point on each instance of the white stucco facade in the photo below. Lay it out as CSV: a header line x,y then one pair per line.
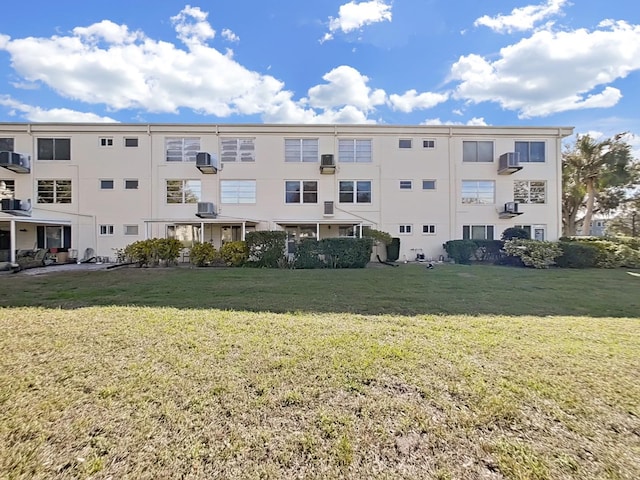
x,y
106,185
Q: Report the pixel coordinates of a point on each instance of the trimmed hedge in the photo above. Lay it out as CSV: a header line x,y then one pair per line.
x,y
235,254
333,253
461,250
266,248
577,255
153,251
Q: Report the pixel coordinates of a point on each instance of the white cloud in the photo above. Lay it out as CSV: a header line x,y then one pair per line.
x,y
192,26
37,114
411,100
109,32
345,86
552,72
475,121
229,35
353,16
521,19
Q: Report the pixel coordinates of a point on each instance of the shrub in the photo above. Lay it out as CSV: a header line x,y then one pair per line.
x,y
235,254
461,250
533,253
151,251
512,233
577,255
346,252
308,254
168,250
488,249
628,257
266,249
202,254
378,236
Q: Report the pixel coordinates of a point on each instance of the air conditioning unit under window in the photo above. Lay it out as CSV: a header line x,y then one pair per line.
x,y
511,207
206,210
15,162
207,163
328,209
327,163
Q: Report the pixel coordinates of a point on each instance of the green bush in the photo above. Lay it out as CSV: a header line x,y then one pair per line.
x,y
628,257
533,253
235,254
266,248
512,233
202,254
488,250
153,250
346,252
577,255
378,236
308,254
461,250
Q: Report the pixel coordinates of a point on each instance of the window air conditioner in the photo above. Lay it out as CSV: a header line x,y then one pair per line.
x,y
327,160
206,210
328,209
511,207
207,163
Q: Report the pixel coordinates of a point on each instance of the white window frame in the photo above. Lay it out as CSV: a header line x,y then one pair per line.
x,y
106,141
131,180
238,192
526,157
405,229
301,150
487,228
429,189
105,230
430,229
428,143
7,144
9,188
406,185
536,232
523,189
301,191
475,192
355,150
187,186
181,149
54,141
356,191
56,197
105,181
127,232
467,157
238,149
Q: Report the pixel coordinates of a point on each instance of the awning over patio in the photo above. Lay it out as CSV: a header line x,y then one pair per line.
x,y
15,222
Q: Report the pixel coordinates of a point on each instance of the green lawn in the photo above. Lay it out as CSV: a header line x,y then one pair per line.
x,y
453,373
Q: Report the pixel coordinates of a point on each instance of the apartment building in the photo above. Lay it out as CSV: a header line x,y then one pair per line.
x,y
93,188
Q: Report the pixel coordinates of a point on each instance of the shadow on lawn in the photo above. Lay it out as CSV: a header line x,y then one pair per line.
x,y
408,290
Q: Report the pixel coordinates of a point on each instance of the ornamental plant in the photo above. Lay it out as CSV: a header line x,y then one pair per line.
x,y
533,253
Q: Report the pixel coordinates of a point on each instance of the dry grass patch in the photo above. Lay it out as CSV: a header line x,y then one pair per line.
x,y
120,392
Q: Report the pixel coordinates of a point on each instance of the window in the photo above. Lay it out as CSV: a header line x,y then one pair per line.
x,y
131,184
183,191
301,192
131,229
428,184
477,151
106,184
237,150
404,229
355,192
54,191
54,149
347,231
187,234
478,192
182,149
429,229
238,191
53,237
405,143
7,188
477,232
106,142
529,191
428,143
535,231
131,141
406,184
301,150
6,144
530,151
354,151
105,229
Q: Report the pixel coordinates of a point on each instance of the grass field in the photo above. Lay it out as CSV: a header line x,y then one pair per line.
x,y
453,373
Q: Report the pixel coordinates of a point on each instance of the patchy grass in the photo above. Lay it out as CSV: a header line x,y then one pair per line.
x,y
159,392
407,290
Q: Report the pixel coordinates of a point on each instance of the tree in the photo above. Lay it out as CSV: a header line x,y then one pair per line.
x,y
627,222
596,176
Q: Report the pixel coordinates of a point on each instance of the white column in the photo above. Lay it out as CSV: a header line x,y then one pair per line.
x,y
244,230
12,241
317,231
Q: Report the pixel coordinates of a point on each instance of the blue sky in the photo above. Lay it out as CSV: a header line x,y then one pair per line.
x,y
539,62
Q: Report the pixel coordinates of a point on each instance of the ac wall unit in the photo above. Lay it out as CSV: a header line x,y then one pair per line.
x,y
15,162
509,163
327,163
206,210
511,207
207,163
328,209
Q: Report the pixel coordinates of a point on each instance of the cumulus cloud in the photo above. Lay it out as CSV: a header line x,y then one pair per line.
x,y
475,121
411,100
38,114
345,86
353,16
229,35
552,72
522,19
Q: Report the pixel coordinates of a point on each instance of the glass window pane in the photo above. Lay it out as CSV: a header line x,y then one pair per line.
x,y
536,152
346,192
485,151
363,192
45,148
469,152
292,192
